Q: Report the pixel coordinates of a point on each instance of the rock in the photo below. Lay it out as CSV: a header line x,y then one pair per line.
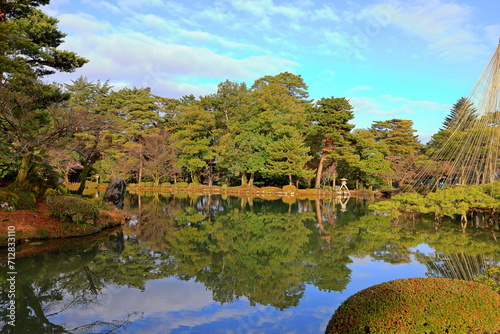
x,y
115,193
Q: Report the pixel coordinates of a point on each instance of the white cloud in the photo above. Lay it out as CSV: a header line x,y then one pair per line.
x,y
125,56
445,26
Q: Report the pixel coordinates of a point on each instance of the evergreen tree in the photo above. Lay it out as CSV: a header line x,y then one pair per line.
x,y
288,156
330,132
29,114
193,132
461,116
29,41
403,145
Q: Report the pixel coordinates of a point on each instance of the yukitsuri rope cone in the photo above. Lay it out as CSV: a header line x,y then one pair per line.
x,y
470,153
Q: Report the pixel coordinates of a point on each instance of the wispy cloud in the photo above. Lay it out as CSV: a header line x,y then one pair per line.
x,y
447,27
360,88
119,54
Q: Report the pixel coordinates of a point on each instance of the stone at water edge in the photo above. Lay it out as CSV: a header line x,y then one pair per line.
x,y
115,193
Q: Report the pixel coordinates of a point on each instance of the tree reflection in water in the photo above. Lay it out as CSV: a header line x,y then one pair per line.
x,y
266,252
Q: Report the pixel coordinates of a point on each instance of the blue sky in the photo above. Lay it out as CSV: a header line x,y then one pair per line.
x,y
409,59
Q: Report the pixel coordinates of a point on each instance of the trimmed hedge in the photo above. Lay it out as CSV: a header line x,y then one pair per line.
x,y
419,305
72,209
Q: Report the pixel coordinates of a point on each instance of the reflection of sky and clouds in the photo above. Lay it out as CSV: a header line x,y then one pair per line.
x,y
172,306
265,267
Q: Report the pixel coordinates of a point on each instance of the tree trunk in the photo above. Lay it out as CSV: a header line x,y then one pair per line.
x,y
139,177
290,181
319,216
24,170
252,178
87,166
320,170
244,179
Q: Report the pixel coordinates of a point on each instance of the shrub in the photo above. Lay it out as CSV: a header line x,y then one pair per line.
x,y
289,189
72,209
180,184
194,185
50,192
490,278
166,184
150,184
8,200
141,184
43,233
20,200
419,305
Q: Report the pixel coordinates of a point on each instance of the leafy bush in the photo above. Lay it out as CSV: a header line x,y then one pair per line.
x,y
50,192
17,200
194,185
166,184
419,305
150,184
289,189
8,200
72,209
181,184
490,278
43,233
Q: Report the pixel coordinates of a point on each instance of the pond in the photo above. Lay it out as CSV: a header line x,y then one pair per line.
x,y
218,264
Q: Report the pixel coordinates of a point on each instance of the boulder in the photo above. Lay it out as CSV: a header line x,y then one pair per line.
x,y
115,193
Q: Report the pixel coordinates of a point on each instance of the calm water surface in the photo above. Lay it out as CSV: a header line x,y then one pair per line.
x,y
212,264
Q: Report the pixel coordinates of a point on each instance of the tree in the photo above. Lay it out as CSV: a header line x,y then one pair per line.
x,y
461,116
29,41
372,166
137,112
95,132
30,115
193,132
32,121
403,146
330,132
159,155
288,156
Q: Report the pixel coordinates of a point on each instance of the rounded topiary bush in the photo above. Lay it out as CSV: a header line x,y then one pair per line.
x,y
289,189
72,209
419,305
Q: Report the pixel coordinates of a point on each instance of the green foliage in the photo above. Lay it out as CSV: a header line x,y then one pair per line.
x,y
30,40
150,184
451,202
26,200
419,305
17,200
43,233
289,189
490,278
492,189
288,156
73,209
181,184
8,200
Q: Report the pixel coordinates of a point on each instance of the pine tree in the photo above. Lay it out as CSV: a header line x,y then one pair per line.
x,y
330,132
